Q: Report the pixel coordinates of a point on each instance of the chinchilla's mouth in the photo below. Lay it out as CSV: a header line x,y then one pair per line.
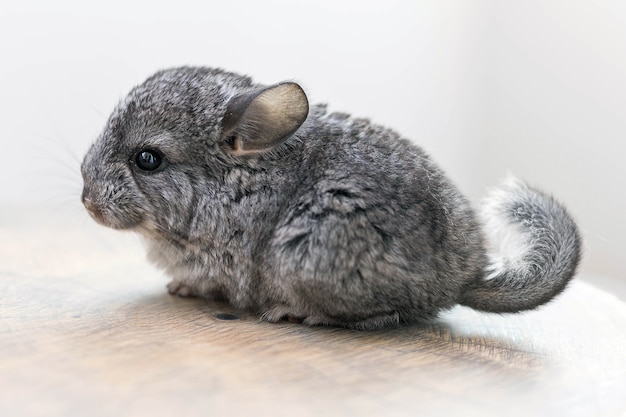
x,y
108,218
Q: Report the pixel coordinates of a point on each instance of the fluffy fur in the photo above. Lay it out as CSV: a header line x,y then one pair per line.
x,y
291,212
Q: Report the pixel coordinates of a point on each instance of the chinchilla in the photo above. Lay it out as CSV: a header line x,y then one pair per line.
x,y
245,193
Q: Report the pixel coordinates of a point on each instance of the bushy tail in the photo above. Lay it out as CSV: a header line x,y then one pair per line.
x,y
535,249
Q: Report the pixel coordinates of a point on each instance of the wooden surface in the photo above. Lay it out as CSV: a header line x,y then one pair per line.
x,y
87,329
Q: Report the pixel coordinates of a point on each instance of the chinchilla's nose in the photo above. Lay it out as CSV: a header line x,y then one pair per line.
x,y
86,199
92,208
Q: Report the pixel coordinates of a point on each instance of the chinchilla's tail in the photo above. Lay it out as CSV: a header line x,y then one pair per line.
x,y
535,249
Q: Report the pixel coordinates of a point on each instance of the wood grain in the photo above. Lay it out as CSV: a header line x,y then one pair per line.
x,y
87,328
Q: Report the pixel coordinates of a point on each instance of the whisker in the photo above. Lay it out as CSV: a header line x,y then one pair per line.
x,y
58,144
73,170
95,110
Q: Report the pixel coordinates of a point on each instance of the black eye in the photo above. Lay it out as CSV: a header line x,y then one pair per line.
x,y
148,160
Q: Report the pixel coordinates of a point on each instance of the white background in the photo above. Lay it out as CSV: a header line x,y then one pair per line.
x,y
537,88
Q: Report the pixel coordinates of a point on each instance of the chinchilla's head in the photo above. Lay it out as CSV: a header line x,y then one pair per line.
x,y
176,135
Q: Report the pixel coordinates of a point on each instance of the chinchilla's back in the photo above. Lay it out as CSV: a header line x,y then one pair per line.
x,y
421,242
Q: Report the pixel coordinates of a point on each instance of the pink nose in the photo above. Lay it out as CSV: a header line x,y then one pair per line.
x,y
93,209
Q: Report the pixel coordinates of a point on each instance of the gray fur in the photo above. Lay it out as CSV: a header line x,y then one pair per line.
x,y
330,220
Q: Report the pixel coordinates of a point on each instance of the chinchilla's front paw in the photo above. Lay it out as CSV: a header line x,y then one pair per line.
x,y
179,289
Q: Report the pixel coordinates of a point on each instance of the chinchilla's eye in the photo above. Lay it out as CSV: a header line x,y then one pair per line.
x,y
148,160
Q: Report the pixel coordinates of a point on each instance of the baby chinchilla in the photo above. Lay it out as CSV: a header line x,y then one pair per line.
x,y
245,194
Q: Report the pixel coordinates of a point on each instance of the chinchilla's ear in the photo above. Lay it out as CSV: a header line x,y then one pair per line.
x,y
261,120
